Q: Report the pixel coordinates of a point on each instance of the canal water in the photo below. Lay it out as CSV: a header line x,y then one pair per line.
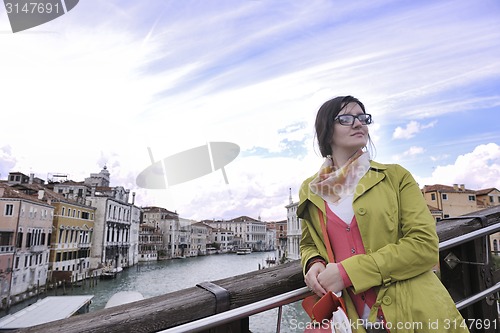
x,y
162,277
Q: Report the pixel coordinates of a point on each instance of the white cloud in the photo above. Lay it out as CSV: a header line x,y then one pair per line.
x,y
477,170
411,152
412,128
439,157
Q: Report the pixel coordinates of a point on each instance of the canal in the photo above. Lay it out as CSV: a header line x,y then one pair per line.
x,y
162,277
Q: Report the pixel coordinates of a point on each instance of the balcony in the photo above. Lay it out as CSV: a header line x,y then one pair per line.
x,y
38,248
7,249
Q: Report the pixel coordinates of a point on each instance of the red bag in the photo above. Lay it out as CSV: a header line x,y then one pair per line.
x,y
322,308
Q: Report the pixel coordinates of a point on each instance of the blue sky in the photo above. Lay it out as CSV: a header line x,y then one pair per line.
x,y
110,79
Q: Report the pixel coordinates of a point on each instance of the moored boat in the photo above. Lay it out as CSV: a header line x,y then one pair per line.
x,y
244,251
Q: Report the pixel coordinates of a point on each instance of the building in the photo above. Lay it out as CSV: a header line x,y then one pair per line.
x,y
168,223
199,239
248,232
72,231
135,221
453,200
488,197
294,229
150,242
26,223
436,213
221,240
112,224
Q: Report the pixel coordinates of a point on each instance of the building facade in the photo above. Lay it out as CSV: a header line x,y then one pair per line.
x,y
27,221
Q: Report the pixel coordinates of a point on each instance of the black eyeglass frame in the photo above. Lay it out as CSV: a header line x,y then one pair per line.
x,y
366,121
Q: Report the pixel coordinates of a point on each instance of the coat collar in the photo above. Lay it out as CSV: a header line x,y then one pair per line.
x,y
374,175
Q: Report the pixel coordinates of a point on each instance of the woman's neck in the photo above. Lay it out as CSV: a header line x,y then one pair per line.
x,y
340,158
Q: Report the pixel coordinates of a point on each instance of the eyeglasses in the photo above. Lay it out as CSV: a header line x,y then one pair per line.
x,y
348,119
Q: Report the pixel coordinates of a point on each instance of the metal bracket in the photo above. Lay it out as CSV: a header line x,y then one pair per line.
x,y
221,295
452,260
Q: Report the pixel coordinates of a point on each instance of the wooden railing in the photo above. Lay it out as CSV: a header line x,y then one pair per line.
x,y
473,272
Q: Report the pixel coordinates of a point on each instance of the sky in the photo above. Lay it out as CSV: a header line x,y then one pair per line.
x,y
124,83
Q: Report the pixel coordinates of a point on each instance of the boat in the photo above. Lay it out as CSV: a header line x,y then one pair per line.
x,y
110,273
50,308
244,251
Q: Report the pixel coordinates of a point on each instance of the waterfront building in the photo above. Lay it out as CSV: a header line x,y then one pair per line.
x,y
111,243
280,237
248,232
271,237
293,229
135,221
222,240
150,241
183,237
168,223
116,233
26,223
72,228
199,239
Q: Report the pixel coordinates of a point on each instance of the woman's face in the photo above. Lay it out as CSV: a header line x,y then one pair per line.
x,y
348,139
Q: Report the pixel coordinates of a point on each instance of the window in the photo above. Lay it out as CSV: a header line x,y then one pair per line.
x,y
433,196
491,200
472,198
444,196
446,216
19,242
9,209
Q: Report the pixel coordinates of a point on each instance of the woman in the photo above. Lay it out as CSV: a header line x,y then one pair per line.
x,y
380,229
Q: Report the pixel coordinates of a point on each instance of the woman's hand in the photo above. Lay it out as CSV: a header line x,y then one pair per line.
x,y
330,278
311,278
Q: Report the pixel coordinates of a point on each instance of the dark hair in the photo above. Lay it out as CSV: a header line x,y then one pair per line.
x,y
325,118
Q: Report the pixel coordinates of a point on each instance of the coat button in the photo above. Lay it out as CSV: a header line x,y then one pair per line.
x,y
387,300
362,211
353,251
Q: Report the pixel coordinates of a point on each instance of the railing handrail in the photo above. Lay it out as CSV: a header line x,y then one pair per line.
x,y
469,236
241,312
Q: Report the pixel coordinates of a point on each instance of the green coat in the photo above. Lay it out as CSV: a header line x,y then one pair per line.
x,y
401,245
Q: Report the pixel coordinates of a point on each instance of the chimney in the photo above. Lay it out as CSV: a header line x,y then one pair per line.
x,y
462,187
40,194
32,176
455,187
133,198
